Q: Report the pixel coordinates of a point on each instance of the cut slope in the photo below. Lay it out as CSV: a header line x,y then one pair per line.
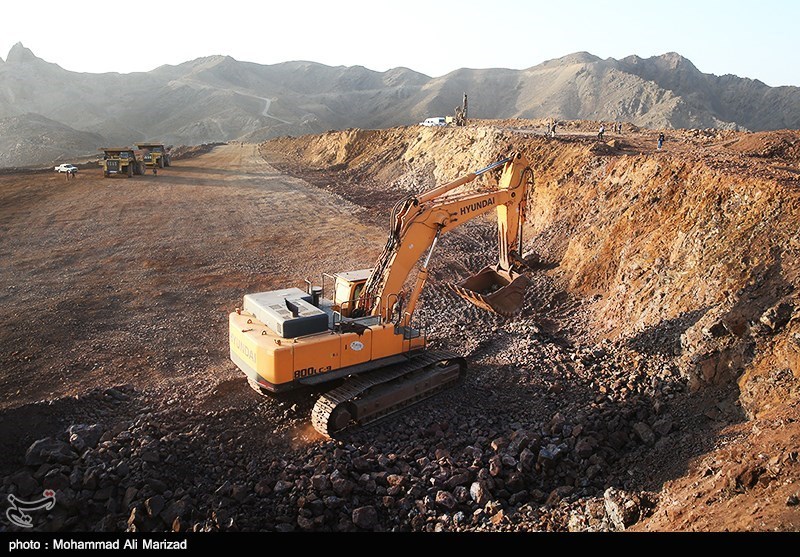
x,y
689,257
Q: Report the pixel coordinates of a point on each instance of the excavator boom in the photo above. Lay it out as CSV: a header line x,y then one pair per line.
x,y
417,223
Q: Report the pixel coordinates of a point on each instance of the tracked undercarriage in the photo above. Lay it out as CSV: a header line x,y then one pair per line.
x,y
364,399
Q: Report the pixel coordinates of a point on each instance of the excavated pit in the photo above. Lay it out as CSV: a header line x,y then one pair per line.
x,y
660,276
650,380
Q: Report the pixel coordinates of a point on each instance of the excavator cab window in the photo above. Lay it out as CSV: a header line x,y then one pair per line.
x,y
358,288
347,292
347,288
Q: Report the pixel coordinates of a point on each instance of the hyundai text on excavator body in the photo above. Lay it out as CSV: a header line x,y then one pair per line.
x,y
362,340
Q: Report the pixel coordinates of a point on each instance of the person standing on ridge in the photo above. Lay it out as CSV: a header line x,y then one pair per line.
x,y
660,140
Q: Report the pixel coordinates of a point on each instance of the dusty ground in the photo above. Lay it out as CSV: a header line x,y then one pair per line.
x,y
107,280
593,410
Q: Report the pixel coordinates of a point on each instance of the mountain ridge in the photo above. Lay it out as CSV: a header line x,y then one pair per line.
x,y
219,98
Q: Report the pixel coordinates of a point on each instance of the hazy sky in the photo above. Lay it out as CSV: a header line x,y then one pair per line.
x,y
746,38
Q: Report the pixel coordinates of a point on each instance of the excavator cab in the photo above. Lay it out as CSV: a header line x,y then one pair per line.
x,y
347,289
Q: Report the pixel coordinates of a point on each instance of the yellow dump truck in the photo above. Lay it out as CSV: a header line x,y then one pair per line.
x,y
155,154
121,161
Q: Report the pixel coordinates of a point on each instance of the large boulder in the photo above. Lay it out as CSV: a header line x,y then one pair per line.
x,y
49,450
365,517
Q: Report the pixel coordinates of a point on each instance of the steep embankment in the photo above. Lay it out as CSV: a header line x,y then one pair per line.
x,y
688,254
689,239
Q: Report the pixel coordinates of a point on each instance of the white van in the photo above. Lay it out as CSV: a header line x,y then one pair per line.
x,y
437,121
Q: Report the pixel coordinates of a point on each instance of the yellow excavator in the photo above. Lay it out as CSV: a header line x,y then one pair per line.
x,y
362,340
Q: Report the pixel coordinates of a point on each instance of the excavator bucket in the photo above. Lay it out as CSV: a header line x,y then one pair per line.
x,y
493,289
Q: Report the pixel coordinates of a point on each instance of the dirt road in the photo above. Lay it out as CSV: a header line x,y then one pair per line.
x,y
110,281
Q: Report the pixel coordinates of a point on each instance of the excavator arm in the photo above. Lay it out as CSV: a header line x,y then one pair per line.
x,y
419,221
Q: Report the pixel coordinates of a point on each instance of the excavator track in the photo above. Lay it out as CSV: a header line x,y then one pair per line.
x,y
366,398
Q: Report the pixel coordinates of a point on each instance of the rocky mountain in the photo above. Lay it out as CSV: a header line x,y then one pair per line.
x,y
748,103
218,98
32,139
